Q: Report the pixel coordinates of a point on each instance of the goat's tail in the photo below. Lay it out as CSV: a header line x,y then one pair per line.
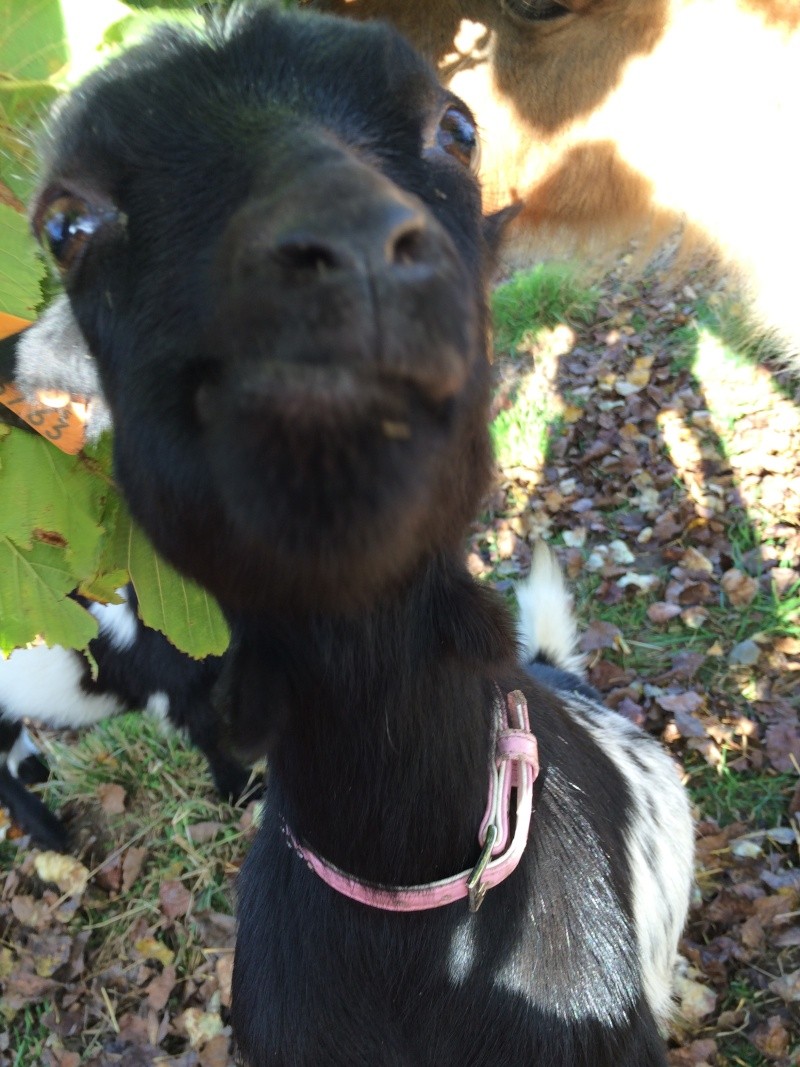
x,y
547,629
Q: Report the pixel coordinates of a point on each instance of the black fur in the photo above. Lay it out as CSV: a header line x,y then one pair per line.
x,y
287,306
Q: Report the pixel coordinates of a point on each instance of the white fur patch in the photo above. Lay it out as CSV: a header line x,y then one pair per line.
x,y
44,683
117,622
660,843
158,705
22,748
546,622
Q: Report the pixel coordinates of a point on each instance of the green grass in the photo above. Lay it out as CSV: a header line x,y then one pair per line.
x,y
734,1050
542,297
524,309
30,1036
760,799
738,1052
521,433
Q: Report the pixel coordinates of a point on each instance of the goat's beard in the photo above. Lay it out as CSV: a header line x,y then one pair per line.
x,y
274,510
335,514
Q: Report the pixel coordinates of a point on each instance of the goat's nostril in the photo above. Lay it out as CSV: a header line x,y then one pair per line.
x,y
408,246
307,256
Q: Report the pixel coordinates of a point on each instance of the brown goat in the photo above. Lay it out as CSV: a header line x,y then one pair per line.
x,y
619,118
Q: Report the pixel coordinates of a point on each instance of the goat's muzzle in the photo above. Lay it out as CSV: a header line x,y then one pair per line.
x,y
339,288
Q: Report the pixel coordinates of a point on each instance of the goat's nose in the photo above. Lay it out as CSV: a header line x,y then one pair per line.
x,y
389,233
337,218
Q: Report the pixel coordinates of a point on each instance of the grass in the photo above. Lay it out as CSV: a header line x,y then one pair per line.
x,y
733,1049
520,434
548,294
31,1036
525,311
761,800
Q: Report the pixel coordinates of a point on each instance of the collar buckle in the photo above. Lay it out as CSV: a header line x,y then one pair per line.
x,y
475,884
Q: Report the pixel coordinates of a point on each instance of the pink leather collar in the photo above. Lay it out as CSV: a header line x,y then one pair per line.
x,y
514,766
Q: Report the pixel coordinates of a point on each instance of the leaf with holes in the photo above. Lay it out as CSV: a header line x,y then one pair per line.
x,y
50,496
33,598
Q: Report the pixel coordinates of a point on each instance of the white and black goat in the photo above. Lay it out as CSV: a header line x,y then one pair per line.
x,y
272,240
136,666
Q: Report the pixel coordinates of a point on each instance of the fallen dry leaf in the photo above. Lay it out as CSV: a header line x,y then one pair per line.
x,y
200,1026
160,988
152,949
599,634
112,798
694,562
739,588
696,1054
67,873
132,863
661,612
202,832
216,1052
695,1000
174,899
782,743
771,1038
787,987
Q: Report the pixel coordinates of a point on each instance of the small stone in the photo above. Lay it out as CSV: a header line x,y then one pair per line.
x,y
745,654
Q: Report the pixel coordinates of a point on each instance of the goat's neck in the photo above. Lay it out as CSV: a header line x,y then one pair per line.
x,y
380,761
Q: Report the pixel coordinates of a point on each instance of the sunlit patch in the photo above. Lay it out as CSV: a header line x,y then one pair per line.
x,y
521,428
468,36
687,457
461,957
758,426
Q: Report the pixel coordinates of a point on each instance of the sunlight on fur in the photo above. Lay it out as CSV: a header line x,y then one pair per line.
x,y
622,119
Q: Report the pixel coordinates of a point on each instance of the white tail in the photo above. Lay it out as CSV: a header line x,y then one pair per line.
x,y
546,624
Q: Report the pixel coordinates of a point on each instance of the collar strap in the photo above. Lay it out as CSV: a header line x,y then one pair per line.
x,y
514,767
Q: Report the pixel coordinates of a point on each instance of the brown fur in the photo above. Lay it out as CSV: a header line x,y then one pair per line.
x,y
627,118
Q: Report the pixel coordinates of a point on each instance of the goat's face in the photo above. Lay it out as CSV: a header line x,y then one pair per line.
x,y
272,242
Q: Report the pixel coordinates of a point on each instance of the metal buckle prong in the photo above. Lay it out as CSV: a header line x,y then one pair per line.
x,y
477,890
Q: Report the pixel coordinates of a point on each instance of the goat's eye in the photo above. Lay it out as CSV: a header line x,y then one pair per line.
x,y
534,10
458,137
65,226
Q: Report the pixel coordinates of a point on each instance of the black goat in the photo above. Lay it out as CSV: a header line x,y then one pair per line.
x,y
137,668
271,238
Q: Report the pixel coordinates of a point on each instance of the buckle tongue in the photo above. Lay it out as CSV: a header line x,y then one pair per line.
x,y
475,886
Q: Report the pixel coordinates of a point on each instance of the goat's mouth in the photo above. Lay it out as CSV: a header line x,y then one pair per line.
x,y
322,394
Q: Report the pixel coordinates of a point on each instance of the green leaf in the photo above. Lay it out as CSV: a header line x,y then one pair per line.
x,y
111,564
23,105
33,600
183,611
137,25
21,269
45,494
32,39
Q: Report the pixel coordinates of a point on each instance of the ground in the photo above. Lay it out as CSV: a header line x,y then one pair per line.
x,y
638,432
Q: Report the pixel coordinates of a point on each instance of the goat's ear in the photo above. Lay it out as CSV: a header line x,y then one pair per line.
x,y
494,225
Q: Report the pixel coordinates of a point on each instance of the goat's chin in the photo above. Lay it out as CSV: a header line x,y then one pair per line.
x,y
346,526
